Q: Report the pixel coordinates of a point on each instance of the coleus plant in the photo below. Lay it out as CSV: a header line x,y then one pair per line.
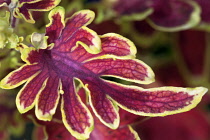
x,y
24,8
70,54
164,15
20,9
55,128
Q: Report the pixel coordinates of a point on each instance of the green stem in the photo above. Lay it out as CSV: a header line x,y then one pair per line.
x,y
140,122
206,71
179,60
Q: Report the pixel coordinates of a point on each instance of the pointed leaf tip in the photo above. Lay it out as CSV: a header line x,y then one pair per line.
x,y
19,76
153,102
198,90
118,45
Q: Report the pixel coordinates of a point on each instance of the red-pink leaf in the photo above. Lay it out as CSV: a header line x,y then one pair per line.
x,y
132,70
117,45
155,101
74,55
3,2
111,44
77,21
26,97
56,25
19,76
205,11
104,109
123,133
173,15
76,116
170,15
133,9
25,7
48,99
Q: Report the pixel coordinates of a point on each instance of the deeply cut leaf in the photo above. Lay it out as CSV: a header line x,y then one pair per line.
x,y
160,101
76,52
25,8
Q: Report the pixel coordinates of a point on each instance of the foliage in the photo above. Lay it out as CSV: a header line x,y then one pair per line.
x,y
80,81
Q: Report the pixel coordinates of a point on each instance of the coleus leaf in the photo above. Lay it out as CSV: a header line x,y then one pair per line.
x,y
205,11
174,15
159,101
24,8
133,9
171,15
76,53
55,128
104,133
4,2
